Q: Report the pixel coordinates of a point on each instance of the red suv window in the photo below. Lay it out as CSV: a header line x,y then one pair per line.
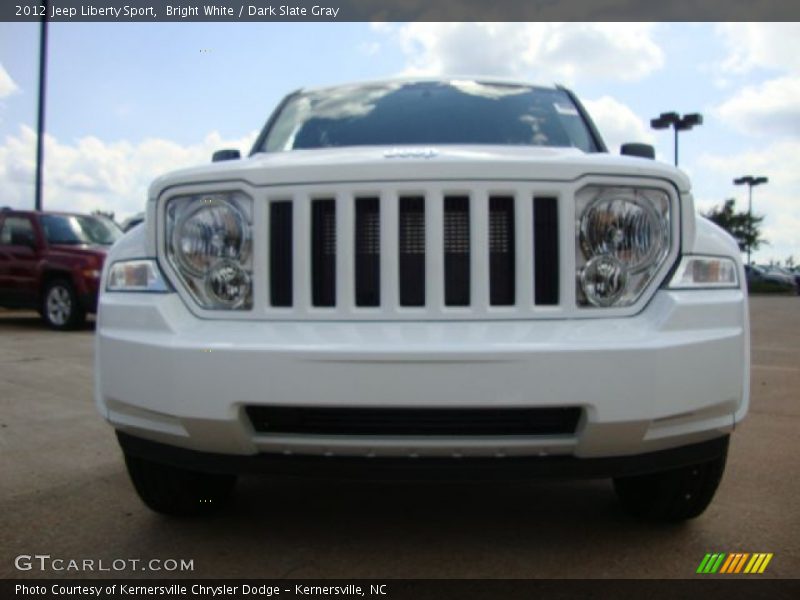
x,y
16,231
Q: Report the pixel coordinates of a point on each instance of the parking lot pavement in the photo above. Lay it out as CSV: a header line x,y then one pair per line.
x,y
64,492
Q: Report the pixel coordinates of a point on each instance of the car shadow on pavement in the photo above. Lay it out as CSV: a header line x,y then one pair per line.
x,y
412,529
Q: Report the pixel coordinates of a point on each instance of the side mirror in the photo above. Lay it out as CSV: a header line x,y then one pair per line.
x,y
639,150
227,154
22,238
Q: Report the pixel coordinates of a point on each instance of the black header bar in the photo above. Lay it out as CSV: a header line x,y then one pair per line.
x,y
150,11
708,588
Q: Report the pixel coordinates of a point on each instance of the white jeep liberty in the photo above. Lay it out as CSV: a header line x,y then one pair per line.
x,y
425,277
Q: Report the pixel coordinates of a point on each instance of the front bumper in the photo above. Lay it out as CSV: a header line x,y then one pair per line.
x,y
674,375
429,468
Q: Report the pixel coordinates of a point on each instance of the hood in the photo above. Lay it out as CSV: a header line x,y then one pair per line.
x,y
410,163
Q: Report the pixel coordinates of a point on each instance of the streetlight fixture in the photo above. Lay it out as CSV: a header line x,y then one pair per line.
x,y
678,123
750,182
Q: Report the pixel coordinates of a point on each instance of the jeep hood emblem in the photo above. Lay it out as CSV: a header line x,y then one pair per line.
x,y
410,153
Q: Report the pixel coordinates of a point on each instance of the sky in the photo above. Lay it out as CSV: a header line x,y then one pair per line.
x,y
127,102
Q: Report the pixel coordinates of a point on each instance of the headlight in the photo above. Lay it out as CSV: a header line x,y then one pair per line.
x,y
208,244
705,272
141,275
623,238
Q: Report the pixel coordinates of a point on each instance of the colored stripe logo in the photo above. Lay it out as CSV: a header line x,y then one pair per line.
x,y
735,562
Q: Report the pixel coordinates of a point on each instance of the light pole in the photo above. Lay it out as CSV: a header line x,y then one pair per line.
x,y
678,123
40,119
750,182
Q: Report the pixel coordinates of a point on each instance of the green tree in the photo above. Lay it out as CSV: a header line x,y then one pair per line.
x,y
744,228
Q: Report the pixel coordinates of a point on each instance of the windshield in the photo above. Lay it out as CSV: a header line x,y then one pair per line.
x,y
79,229
453,112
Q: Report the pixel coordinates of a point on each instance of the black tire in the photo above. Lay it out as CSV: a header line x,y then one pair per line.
x,y
675,495
60,308
179,492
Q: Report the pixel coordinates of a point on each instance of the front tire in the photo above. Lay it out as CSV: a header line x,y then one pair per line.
x,y
675,495
179,492
61,309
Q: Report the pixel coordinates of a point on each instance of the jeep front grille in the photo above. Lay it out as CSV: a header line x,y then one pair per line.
x,y
363,254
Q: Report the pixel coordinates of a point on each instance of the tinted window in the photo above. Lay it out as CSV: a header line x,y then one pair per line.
x,y
79,229
16,231
455,112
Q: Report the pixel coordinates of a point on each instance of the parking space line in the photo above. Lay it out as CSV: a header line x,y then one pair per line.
x,y
775,368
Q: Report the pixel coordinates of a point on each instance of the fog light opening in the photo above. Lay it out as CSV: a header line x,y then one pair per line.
x,y
603,280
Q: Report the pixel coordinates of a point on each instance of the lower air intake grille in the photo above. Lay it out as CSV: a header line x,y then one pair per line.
x,y
414,421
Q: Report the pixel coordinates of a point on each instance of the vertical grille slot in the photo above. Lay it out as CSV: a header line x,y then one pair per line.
x,y
368,252
412,251
323,252
280,253
501,251
545,251
456,251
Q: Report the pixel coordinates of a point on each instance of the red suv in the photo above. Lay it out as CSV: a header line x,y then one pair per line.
x,y
52,262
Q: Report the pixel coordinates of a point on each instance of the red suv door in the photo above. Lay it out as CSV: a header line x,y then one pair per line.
x,y
19,255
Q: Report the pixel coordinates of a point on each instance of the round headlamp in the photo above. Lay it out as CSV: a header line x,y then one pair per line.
x,y
211,231
626,226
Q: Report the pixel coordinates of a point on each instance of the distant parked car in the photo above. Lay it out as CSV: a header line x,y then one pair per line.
x,y
795,271
51,262
132,222
759,279
792,275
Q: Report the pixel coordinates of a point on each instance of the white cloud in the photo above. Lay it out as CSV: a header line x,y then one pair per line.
x,y
566,52
777,200
617,123
369,48
767,109
760,45
771,108
7,85
93,174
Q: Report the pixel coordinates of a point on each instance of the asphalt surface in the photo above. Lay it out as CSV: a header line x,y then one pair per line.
x,y
64,493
